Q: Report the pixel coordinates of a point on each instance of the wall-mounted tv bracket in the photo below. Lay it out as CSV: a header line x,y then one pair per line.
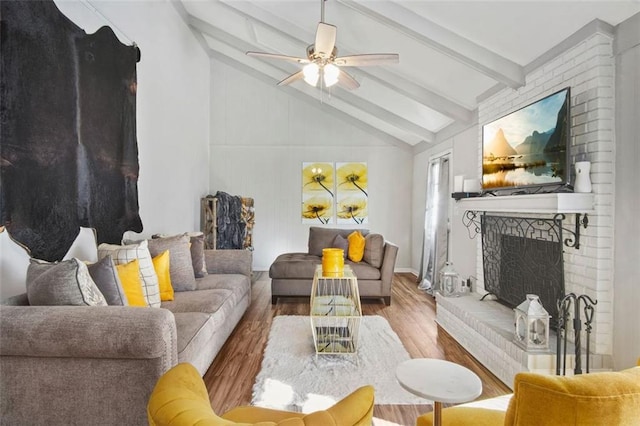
x,y
471,220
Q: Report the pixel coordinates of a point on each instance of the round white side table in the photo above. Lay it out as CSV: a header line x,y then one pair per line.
x,y
440,381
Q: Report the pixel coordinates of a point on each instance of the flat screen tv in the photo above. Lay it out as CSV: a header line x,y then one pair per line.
x,y
527,151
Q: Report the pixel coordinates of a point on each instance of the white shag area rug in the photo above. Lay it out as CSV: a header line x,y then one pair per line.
x,y
293,378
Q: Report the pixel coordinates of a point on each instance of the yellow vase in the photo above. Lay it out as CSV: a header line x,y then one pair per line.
x,y
332,262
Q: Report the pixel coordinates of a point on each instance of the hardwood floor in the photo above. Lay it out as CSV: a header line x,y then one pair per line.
x,y
411,315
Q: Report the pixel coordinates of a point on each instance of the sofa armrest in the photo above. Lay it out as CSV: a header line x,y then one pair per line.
x,y
79,365
388,262
113,332
229,261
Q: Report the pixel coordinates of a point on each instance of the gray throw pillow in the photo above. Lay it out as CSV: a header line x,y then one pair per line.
x,y
180,265
342,243
105,275
197,254
62,283
373,250
320,238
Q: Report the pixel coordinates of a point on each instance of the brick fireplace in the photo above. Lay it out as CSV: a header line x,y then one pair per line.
x,y
586,64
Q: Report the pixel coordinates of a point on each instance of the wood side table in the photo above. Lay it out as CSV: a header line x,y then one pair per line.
x,y
440,381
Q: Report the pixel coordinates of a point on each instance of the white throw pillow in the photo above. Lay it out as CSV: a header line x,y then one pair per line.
x,y
127,253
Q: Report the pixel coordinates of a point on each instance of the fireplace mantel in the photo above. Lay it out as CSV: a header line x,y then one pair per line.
x,y
560,202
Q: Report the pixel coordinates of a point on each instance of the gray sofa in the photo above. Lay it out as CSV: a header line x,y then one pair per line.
x,y
77,365
292,273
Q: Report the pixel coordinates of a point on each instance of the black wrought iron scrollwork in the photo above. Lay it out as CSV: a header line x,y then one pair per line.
x,y
471,221
573,240
564,307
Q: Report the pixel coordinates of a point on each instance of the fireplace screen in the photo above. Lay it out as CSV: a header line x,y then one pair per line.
x,y
523,256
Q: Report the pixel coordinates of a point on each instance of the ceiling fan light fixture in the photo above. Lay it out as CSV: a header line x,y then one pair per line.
x,y
330,74
322,59
311,73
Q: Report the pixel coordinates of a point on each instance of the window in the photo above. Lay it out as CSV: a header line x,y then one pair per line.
x,y
436,223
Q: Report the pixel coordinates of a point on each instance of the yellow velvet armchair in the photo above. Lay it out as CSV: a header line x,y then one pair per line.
x,y
180,398
607,398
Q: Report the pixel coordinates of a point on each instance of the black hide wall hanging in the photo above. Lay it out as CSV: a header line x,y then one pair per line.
x,y
68,150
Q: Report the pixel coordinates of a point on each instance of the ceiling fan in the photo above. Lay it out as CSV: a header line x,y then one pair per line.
x,y
323,60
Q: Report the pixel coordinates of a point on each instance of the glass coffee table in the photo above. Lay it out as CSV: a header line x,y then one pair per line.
x,y
440,381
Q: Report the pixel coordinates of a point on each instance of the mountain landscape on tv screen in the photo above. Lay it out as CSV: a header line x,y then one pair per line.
x,y
538,158
551,140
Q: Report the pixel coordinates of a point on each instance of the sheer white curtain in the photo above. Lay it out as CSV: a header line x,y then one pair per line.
x,y
436,224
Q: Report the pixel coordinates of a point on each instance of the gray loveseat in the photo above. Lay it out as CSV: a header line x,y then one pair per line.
x,y
88,365
292,273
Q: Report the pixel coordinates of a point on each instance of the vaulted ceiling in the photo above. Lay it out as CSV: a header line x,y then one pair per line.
x,y
452,53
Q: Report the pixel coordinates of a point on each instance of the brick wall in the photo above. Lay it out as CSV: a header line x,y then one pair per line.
x,y
588,68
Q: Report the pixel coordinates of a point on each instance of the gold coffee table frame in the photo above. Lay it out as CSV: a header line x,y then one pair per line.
x,y
335,312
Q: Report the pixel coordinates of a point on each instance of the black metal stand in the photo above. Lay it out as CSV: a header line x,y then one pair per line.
x,y
564,308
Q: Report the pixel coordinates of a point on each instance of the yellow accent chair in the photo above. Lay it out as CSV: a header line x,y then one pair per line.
x,y
180,398
606,398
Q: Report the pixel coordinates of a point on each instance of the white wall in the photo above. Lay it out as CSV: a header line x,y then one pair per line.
x,y
172,108
626,337
260,136
588,67
464,161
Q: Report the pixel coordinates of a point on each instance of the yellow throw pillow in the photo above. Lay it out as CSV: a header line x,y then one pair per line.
x,y
356,246
129,274
161,265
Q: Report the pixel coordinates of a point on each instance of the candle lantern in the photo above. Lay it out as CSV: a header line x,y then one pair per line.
x,y
450,284
532,325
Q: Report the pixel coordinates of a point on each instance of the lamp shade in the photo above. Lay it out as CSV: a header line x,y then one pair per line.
x,y
330,73
311,73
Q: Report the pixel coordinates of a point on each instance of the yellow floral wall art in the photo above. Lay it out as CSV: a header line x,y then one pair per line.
x,y
352,196
317,193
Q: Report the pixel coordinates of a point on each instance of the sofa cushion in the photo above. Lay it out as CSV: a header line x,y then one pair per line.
x,y
205,301
374,250
364,271
197,254
294,265
62,283
127,253
320,238
342,243
188,327
356,246
163,270
129,274
180,264
105,275
303,266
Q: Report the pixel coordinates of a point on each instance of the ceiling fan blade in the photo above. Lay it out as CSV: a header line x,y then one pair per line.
x,y
367,59
293,77
347,81
325,39
276,56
